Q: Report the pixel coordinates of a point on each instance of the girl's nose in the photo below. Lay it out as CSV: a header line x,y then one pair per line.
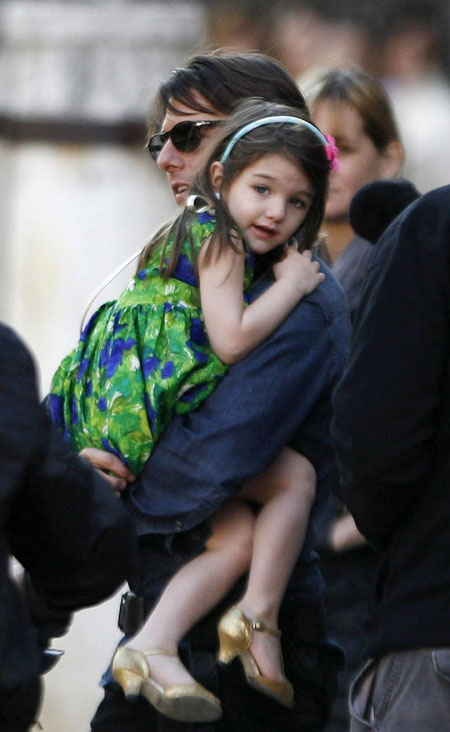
x,y
276,209
169,158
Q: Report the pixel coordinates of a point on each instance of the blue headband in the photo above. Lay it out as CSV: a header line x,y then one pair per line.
x,y
269,121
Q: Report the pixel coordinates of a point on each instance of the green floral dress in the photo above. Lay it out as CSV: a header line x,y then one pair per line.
x,y
141,360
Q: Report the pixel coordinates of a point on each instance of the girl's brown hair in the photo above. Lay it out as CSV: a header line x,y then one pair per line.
x,y
296,142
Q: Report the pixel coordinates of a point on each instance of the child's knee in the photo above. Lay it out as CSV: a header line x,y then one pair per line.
x,y
301,478
241,545
234,530
308,477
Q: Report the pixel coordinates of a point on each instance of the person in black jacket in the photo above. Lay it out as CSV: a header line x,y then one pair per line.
x,y
62,522
354,107
392,433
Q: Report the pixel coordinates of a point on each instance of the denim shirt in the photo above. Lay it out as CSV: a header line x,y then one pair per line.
x,y
350,268
279,394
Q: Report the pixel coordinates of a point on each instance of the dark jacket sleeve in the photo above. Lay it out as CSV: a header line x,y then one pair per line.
x,y
23,429
387,403
61,519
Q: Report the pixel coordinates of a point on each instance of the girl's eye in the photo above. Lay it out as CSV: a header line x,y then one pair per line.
x,y
261,189
297,203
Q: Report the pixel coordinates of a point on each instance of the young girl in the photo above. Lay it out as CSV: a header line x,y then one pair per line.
x,y
146,357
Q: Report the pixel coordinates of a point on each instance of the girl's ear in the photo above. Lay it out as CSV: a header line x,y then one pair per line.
x,y
216,175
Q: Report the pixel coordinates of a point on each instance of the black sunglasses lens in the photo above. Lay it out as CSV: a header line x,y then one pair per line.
x,y
185,136
155,145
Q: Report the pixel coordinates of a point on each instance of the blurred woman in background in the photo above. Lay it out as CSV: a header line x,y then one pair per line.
x,y
352,106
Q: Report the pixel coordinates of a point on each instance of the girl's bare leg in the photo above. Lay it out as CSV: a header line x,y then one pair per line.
x,y
196,589
286,491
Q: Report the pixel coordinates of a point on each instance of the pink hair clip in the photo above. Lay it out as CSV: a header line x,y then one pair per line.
x,y
332,152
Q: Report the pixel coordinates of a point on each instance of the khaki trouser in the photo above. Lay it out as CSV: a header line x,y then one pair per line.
x,y
406,691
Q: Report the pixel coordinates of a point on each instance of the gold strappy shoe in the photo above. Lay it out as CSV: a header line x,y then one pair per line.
x,y
235,636
130,670
183,702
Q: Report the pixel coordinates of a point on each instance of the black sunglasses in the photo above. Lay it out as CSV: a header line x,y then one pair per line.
x,y
185,136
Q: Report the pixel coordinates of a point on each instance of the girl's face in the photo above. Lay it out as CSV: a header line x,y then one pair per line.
x,y
268,200
360,162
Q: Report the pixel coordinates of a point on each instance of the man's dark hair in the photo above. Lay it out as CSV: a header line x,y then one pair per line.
x,y
224,81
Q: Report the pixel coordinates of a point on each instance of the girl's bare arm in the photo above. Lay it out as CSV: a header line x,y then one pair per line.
x,y
235,330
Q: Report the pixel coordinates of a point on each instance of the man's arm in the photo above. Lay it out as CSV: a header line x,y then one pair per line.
x,y
254,412
387,404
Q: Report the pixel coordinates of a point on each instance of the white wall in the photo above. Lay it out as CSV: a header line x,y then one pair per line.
x,y
71,690
75,213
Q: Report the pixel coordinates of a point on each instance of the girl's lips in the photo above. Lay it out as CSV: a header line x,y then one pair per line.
x,y
264,232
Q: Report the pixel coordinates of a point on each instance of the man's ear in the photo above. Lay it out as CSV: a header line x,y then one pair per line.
x,y
393,157
216,175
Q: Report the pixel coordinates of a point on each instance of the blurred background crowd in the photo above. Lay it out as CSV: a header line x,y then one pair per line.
x,y
79,194
405,43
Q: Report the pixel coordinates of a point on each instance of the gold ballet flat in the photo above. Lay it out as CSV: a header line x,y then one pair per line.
x,y
183,702
235,635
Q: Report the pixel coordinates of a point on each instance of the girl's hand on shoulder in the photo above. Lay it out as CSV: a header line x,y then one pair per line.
x,y
299,270
110,467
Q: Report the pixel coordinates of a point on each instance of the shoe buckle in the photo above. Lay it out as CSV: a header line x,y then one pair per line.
x,y
258,625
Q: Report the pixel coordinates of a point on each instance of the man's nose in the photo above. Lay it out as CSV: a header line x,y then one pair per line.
x,y
169,158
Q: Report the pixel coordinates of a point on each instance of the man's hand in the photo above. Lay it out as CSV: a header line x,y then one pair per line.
x,y
110,467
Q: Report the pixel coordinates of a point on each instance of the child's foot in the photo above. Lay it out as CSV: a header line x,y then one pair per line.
x,y
266,651
261,660
167,686
168,671
165,670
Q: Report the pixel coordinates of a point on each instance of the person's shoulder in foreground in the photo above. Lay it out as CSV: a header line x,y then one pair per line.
x,y
66,505
392,423
63,524
399,341
19,410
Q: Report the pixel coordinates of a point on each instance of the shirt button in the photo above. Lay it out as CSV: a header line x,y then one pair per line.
x,y
179,524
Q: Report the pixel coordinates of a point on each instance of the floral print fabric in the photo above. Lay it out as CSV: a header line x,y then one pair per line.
x,y
141,360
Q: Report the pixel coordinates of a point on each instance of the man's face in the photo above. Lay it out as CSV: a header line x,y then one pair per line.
x,y
182,167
